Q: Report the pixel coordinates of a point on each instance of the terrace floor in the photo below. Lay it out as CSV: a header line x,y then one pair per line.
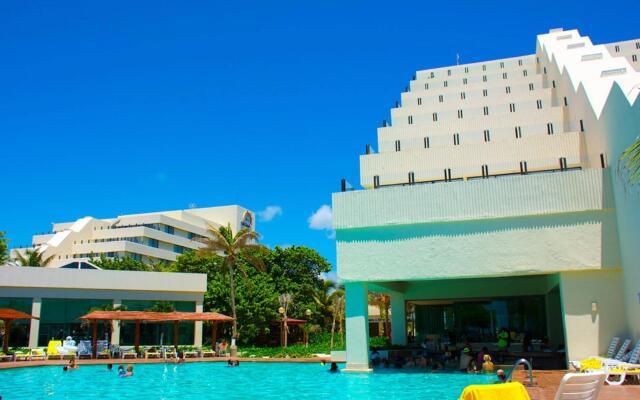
x,y
545,382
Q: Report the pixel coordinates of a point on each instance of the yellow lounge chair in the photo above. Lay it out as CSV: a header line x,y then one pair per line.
x,y
149,353
52,351
498,391
20,356
37,354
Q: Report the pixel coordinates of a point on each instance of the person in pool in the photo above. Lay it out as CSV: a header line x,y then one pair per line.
x,y
487,365
109,367
128,373
502,377
334,367
72,364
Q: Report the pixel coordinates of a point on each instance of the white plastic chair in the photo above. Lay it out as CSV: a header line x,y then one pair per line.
x,y
584,386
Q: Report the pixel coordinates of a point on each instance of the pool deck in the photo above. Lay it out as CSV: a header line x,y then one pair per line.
x,y
545,382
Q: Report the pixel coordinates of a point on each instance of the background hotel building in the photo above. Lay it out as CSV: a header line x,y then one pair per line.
x,y
495,201
153,237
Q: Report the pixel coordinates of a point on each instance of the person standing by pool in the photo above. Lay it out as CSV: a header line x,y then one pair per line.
x,y
487,365
465,359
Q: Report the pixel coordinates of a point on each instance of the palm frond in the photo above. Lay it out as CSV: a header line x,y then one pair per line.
x,y
630,162
21,259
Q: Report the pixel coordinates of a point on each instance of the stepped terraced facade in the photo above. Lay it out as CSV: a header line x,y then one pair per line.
x,y
496,191
150,238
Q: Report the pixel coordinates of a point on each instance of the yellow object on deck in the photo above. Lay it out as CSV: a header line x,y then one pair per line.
x,y
51,348
498,391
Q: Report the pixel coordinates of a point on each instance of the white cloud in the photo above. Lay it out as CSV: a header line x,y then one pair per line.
x,y
322,220
269,213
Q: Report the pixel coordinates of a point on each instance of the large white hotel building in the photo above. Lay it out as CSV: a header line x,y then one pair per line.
x,y
495,201
150,237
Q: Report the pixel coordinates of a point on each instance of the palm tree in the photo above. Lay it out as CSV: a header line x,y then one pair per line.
x,y
337,308
630,162
231,247
383,302
33,258
324,300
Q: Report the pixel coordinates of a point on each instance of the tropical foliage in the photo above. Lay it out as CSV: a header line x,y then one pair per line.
x,y
231,247
33,258
4,248
630,162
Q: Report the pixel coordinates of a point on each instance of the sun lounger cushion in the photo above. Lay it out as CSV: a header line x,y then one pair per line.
x,y
500,391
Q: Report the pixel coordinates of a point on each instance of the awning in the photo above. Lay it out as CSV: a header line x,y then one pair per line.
x,y
156,316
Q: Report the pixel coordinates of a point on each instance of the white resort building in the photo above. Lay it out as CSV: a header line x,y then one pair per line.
x,y
495,201
150,237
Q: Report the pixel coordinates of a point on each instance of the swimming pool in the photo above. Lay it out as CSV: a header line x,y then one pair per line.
x,y
216,380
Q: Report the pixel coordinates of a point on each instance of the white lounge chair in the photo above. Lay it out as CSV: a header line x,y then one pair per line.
x,y
584,386
84,348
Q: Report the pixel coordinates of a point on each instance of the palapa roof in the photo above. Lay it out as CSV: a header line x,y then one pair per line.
x,y
156,316
10,313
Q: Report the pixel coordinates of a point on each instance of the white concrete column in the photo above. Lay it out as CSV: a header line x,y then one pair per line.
x,y
357,324
197,331
398,320
115,325
34,330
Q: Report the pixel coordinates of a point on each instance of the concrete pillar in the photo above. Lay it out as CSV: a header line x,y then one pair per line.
x,y
34,330
197,331
115,325
398,320
357,325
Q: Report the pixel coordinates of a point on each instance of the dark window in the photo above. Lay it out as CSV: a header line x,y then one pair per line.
x,y
487,135
581,126
419,101
617,48
410,119
544,70
566,102
412,178
531,86
446,83
523,167
549,128
485,171
484,67
426,142
484,78
501,64
440,98
512,107
456,139
634,58
553,84
563,163
504,75
485,109
460,114
447,174
376,181
524,72
603,163
485,92
466,70
464,81
435,116
397,145
463,95
507,89
518,132
426,86
520,62
539,104
449,72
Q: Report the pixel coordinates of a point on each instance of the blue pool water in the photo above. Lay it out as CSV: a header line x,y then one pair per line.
x,y
217,381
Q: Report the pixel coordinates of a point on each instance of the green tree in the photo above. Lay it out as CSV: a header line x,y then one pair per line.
x,y
324,301
119,264
162,306
33,258
297,270
233,247
4,248
630,162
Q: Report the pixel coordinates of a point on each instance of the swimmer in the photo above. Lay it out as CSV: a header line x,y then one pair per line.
x,y
109,367
128,373
502,377
334,367
72,364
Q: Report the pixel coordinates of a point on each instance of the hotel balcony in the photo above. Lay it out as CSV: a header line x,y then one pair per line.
x,y
512,225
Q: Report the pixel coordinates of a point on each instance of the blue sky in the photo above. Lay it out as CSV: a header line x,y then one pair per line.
x,y
110,108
